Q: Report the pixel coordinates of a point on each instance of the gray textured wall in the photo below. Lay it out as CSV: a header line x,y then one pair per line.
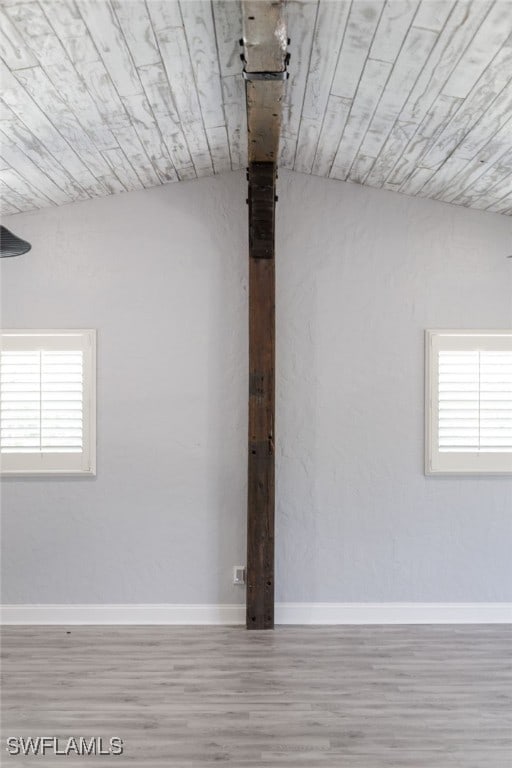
x,y
162,275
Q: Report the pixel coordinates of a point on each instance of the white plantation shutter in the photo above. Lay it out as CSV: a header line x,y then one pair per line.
x,y
47,402
475,401
469,401
41,401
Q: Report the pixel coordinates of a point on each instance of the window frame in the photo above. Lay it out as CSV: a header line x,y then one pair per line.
x,y
38,463
458,462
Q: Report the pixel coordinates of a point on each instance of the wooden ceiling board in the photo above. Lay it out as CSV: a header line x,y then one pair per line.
x,y
104,96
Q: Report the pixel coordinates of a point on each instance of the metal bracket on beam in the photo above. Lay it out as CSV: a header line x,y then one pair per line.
x,y
265,75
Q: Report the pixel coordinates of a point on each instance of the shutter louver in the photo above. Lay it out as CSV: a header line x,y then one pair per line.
x,y
475,401
41,401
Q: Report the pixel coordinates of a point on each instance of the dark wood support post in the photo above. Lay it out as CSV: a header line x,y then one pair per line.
x,y
260,508
265,58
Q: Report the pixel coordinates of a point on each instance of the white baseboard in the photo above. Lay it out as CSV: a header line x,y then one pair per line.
x,y
286,613
394,613
128,613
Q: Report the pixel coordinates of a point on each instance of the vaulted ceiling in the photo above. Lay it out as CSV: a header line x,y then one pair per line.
x,y
103,96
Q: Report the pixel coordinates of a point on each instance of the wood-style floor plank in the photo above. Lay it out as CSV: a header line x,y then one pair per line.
x,y
319,697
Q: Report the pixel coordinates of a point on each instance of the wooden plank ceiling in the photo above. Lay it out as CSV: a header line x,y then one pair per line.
x,y
103,96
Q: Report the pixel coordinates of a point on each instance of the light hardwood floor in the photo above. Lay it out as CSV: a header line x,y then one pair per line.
x,y
315,697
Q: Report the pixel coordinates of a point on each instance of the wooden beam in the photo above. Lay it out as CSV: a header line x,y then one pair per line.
x,y
265,44
260,507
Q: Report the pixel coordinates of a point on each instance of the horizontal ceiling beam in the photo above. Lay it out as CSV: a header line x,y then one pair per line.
x,y
264,44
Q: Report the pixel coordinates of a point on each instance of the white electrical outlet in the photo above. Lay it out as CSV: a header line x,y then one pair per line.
x,y
238,574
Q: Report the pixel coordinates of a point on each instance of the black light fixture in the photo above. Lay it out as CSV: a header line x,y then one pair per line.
x,y
10,245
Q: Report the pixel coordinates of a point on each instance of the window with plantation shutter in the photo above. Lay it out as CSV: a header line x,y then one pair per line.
x,y
469,402
47,402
